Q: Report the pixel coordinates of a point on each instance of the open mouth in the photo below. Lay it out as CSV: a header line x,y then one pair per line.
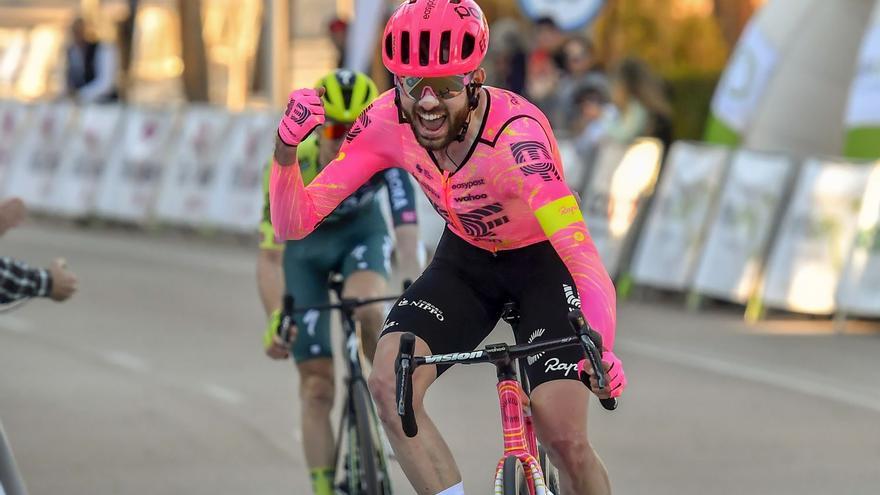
x,y
432,124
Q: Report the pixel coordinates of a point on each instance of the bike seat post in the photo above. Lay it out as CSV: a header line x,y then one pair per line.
x,y
510,315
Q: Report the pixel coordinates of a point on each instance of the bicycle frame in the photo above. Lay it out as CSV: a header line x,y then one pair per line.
x,y
519,434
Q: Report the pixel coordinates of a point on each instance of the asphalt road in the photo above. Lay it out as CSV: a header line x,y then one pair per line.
x,y
152,381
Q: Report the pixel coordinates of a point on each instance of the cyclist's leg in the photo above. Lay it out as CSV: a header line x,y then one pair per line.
x,y
306,279
448,314
559,400
366,270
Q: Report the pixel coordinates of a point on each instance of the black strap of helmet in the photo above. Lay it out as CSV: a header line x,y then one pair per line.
x,y
473,94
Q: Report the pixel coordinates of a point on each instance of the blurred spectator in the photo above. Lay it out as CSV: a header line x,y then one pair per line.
x,y
338,30
581,71
91,66
546,64
20,281
594,113
506,61
642,104
12,212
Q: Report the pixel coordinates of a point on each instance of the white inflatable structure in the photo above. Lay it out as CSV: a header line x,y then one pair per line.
x,y
789,82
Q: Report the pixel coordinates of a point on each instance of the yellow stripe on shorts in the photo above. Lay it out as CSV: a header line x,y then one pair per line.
x,y
559,214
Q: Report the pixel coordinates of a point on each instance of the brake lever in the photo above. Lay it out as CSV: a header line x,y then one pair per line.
x,y
286,321
591,341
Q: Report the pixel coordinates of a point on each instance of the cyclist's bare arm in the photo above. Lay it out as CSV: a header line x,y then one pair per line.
x,y
297,209
270,279
541,185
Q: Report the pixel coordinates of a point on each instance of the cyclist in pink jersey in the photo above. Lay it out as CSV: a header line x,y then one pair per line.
x,y
489,163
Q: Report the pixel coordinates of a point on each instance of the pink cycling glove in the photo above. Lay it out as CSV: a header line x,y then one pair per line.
x,y
304,113
615,375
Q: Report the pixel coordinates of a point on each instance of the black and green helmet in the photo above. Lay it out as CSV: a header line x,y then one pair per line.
x,y
347,94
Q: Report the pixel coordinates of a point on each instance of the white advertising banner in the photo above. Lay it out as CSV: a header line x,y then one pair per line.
x,y
859,291
13,121
745,79
35,163
751,198
190,182
623,178
670,244
815,239
85,159
131,181
239,203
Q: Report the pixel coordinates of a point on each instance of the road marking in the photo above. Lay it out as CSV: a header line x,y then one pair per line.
x,y
805,384
125,360
224,394
15,324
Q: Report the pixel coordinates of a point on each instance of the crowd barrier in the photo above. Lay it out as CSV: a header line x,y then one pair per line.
x,y
754,228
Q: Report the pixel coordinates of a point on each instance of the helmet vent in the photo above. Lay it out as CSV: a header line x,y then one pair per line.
x,y
445,41
389,46
346,96
404,47
424,48
467,45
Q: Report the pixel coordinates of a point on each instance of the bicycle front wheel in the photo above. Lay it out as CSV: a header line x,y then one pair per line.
x,y
373,477
513,477
551,474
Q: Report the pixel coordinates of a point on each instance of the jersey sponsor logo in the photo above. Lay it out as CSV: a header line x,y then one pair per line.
x,y
546,170
424,171
390,324
477,224
469,184
554,364
470,197
568,210
535,357
363,121
530,151
456,356
474,223
425,306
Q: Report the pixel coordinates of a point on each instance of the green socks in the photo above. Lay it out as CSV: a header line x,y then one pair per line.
x,y
322,480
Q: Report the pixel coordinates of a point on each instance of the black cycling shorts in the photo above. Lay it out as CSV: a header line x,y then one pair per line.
x,y
459,299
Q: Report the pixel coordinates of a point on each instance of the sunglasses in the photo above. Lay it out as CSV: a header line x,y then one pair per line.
x,y
443,87
334,130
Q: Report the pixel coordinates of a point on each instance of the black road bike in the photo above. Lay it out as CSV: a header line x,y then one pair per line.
x,y
361,460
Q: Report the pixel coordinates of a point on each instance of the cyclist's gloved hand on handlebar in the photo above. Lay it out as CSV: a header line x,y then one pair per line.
x,y
274,345
304,113
613,374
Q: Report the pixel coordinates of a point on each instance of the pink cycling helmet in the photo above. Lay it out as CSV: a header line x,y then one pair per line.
x,y
435,38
